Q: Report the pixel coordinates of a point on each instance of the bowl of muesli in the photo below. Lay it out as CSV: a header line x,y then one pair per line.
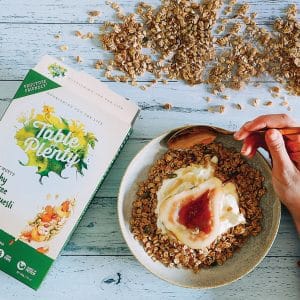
x,y
195,212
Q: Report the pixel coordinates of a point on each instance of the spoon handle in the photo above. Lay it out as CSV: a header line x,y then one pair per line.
x,y
284,131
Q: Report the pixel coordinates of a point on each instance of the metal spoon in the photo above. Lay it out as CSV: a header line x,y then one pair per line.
x,y
188,136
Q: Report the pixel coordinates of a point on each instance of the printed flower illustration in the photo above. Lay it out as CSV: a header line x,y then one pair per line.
x,y
47,110
56,70
53,143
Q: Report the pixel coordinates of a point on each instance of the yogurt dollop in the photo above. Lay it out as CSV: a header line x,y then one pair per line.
x,y
196,207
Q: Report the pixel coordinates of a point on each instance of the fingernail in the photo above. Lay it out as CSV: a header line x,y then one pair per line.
x,y
236,135
245,150
273,134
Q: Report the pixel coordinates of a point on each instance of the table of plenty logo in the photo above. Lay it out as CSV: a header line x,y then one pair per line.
x,y
53,143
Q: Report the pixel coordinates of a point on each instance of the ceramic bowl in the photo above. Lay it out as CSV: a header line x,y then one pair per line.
x,y
242,262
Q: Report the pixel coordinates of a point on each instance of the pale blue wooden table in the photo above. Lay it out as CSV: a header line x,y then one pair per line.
x,y
96,263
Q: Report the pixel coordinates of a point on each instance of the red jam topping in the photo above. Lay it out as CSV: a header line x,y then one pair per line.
x,y
196,214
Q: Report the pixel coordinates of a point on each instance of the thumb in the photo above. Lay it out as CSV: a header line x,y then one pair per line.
x,y
281,160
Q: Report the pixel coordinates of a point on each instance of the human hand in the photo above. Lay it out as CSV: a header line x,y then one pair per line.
x,y
285,153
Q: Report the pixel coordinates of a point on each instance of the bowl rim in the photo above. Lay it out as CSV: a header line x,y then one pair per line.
x,y
123,228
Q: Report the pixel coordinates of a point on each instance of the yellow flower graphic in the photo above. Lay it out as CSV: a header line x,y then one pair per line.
x,y
76,127
47,110
45,165
22,119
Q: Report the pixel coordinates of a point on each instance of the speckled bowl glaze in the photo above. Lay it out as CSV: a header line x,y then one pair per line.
x,y
242,262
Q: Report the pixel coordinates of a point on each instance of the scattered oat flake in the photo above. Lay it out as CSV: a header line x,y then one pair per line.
x,y
255,102
253,15
226,97
90,35
78,33
208,99
268,103
64,48
57,36
224,21
99,64
78,59
242,10
238,106
94,13
167,106
220,29
284,103
275,89
227,10
221,109
109,67
91,20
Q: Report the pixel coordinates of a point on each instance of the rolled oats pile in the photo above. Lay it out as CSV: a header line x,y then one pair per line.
x,y
281,50
179,33
171,252
176,41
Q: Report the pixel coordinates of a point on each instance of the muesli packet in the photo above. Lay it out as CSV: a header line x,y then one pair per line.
x,y
58,139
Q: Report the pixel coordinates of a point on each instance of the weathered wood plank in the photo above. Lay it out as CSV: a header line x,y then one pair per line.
x,y
25,44
97,235
191,110
124,278
75,11
188,103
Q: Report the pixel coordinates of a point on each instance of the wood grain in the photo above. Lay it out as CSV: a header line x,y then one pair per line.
x,y
189,106
62,12
96,277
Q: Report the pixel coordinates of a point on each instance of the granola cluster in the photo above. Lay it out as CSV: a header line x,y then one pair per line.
x,y
231,167
177,40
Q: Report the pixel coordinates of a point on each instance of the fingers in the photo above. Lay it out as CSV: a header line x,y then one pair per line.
x,y
295,156
293,146
282,163
293,138
251,143
242,133
265,121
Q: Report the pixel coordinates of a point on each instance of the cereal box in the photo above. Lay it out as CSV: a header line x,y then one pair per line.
x,y
58,139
